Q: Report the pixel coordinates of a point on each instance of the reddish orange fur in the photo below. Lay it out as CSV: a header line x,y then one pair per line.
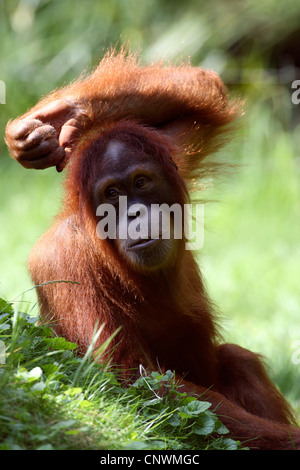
x,y
168,317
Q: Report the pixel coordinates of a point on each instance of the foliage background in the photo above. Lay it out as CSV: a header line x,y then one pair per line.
x,y
251,253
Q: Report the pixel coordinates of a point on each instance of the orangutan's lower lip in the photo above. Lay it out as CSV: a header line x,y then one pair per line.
x,y
143,243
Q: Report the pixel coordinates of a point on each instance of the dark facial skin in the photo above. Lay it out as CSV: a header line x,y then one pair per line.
x,y
143,182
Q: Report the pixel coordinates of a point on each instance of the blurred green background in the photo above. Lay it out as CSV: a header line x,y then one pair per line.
x,y
251,254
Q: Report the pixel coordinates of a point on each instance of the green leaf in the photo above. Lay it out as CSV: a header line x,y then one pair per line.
x,y
30,376
50,369
6,307
226,444
35,373
74,391
194,408
175,420
205,424
38,387
221,429
230,444
60,343
85,404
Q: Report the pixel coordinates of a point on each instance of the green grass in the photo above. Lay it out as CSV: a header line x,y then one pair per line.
x,y
51,399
